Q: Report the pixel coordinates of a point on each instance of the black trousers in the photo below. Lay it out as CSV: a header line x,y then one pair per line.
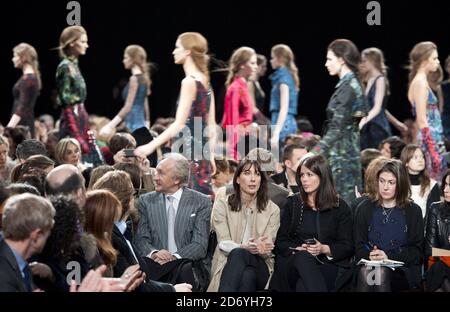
x,y
307,274
174,272
244,272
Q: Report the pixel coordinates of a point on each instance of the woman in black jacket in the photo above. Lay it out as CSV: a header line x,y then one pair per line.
x,y
438,236
389,226
315,235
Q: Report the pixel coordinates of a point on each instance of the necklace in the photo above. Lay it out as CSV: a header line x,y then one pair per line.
x,y
387,213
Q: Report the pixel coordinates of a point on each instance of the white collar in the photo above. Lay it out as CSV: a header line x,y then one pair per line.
x,y
176,195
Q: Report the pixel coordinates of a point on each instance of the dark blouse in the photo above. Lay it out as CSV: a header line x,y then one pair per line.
x,y
70,83
388,229
25,93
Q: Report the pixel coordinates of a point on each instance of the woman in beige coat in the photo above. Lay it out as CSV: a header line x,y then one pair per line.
x,y
246,224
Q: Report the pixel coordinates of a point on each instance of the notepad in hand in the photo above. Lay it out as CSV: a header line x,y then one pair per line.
x,y
386,263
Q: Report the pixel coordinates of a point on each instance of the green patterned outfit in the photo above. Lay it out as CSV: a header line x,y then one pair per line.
x,y
340,142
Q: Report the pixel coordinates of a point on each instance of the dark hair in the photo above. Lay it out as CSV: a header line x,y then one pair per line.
x,y
447,173
326,195
120,141
97,173
29,148
35,178
396,146
65,236
261,196
221,166
304,125
20,188
30,165
407,155
289,150
72,184
403,186
348,51
232,165
260,59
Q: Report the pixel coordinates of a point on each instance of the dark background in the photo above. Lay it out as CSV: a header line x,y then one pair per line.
x,y
306,26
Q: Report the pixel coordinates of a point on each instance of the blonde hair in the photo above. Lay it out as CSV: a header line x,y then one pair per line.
x,y
69,35
198,45
28,55
138,57
420,53
376,57
61,149
285,54
239,58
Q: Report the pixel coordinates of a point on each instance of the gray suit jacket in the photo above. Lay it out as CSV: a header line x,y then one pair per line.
x,y
10,277
192,224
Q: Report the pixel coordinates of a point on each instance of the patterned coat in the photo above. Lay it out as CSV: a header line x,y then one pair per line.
x,y
340,142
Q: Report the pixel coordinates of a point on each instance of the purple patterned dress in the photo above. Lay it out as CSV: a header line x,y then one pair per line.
x,y
195,144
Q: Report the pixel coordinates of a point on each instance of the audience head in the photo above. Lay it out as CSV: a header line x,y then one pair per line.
x,y
368,155
97,173
28,218
265,159
316,183
29,148
4,150
21,188
392,147
220,178
101,210
393,184
249,182
68,151
119,183
172,173
66,180
65,235
16,136
292,155
121,141
133,171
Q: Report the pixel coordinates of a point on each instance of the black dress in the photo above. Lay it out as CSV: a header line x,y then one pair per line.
x,y
25,93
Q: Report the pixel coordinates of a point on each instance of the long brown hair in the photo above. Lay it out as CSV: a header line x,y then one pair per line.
x,y
285,54
420,53
262,199
403,186
376,57
239,58
28,55
69,35
349,52
407,154
138,56
326,195
198,45
101,210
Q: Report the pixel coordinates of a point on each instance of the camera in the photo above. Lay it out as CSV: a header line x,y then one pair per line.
x,y
129,152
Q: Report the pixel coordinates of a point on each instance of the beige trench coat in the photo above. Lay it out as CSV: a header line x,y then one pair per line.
x,y
230,225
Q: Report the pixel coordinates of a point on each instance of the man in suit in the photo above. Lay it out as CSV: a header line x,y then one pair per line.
x,y
174,224
27,222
